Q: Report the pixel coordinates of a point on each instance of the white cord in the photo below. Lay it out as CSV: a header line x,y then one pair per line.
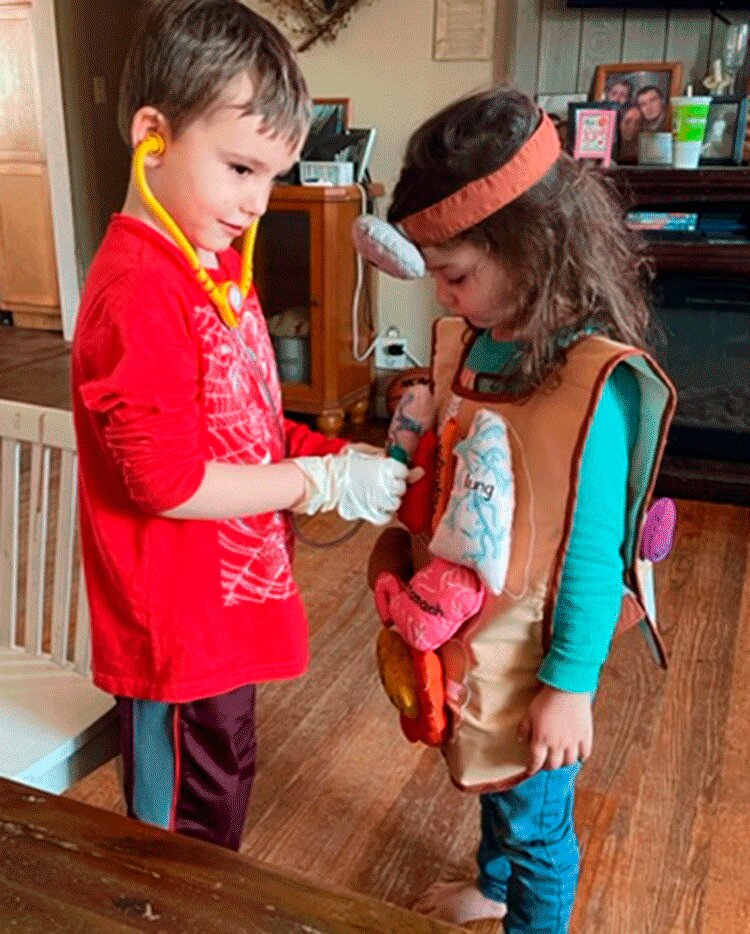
x,y
360,358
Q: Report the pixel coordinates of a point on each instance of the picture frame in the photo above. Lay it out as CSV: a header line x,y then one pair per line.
x,y
331,115
354,145
575,110
330,120
359,150
463,32
726,126
595,129
642,92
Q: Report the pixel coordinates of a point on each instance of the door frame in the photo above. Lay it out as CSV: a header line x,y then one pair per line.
x,y
56,151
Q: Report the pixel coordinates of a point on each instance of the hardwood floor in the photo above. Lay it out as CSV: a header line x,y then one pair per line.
x,y
34,367
663,807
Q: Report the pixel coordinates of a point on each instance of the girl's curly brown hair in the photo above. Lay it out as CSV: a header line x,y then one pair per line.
x,y
574,261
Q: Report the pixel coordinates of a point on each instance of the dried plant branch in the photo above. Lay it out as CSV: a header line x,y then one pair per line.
x,y
312,20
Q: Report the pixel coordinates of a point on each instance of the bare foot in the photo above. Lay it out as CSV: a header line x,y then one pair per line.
x,y
459,902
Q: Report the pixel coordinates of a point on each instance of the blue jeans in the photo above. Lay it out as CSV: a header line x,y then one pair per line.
x,y
528,855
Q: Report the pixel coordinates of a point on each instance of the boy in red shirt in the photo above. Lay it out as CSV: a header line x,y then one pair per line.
x,y
186,464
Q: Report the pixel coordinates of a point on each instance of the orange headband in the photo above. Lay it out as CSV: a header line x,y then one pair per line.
x,y
482,197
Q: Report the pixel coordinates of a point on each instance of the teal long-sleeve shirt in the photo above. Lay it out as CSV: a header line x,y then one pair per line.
x,y
590,595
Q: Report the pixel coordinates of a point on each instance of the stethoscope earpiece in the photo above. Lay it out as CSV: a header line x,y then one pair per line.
x,y
153,144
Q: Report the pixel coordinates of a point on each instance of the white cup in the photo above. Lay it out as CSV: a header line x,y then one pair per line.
x,y
686,155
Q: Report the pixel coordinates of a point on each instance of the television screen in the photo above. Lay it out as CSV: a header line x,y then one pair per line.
x,y
664,4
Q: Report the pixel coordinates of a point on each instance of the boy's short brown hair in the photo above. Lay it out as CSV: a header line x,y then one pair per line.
x,y
186,52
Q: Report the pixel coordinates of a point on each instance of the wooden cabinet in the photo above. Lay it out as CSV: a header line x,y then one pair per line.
x,y
306,275
28,272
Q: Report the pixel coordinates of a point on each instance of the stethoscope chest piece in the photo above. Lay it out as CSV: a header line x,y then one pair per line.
x,y
230,304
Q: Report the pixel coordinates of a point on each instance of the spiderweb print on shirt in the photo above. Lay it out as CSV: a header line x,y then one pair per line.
x,y
253,552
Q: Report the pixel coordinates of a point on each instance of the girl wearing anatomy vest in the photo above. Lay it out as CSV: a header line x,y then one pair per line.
x,y
543,351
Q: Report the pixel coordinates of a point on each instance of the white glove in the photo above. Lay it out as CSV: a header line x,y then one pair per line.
x,y
357,485
364,448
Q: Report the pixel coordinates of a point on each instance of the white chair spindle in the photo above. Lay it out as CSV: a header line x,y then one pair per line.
x,y
62,584
39,480
10,508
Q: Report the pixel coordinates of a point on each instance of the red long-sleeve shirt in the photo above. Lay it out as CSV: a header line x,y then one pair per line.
x,y
180,609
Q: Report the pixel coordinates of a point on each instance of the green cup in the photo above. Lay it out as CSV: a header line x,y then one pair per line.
x,y
689,118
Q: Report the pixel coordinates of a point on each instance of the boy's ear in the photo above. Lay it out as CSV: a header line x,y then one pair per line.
x,y
149,120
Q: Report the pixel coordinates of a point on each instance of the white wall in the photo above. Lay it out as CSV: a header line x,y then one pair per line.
x,y
383,61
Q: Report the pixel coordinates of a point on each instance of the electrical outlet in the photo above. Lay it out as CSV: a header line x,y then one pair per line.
x,y
390,353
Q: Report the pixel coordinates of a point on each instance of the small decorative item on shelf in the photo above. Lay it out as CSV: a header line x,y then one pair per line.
x,y
290,336
725,131
326,172
735,50
591,131
716,82
641,91
654,149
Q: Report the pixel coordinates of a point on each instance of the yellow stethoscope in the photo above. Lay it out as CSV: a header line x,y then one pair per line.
x,y
227,297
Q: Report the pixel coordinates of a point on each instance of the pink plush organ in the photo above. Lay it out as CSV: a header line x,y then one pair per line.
x,y
430,608
658,530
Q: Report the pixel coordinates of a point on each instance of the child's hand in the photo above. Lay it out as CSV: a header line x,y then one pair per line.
x,y
558,727
416,473
364,448
358,486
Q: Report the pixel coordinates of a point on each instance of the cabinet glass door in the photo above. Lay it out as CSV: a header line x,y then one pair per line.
x,y
283,278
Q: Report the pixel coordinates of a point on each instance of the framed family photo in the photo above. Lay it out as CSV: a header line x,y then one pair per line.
x,y
641,91
725,131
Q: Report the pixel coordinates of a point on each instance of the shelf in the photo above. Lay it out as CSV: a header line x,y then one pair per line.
x,y
710,480
645,185
324,193
695,257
